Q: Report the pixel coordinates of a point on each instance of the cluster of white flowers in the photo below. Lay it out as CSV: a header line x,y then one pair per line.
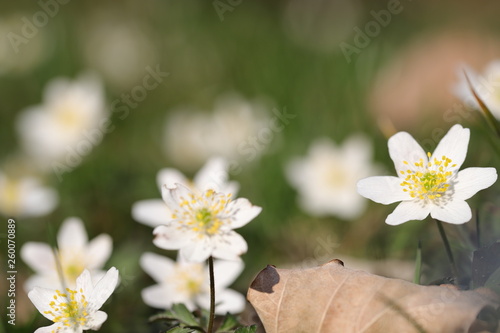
x,y
196,217
54,136
63,288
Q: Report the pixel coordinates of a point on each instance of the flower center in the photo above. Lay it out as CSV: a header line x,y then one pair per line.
x,y
203,213
189,279
70,308
11,195
430,180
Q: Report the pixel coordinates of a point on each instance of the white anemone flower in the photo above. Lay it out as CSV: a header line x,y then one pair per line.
x,y
213,175
188,283
75,254
25,197
326,179
68,123
192,136
486,85
75,310
429,184
202,224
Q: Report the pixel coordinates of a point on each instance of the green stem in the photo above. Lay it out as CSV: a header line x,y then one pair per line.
x,y
212,294
418,264
454,269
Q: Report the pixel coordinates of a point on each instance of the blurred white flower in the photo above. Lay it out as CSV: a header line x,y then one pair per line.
x,y
213,175
66,122
75,252
188,283
202,224
119,49
25,197
429,184
326,179
75,309
191,137
486,85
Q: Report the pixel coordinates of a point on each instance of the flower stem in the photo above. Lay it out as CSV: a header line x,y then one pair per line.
x,y
454,269
212,294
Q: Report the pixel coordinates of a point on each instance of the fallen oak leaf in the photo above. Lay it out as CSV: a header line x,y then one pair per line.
x,y
332,298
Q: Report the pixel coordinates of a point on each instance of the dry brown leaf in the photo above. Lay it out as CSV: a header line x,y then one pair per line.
x,y
332,298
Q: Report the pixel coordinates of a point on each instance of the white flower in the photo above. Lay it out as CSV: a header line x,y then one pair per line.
x,y
76,254
486,86
326,178
214,175
188,283
75,309
202,223
429,184
66,123
119,50
192,137
25,197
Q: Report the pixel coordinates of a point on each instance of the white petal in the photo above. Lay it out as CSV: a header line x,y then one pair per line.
x,y
403,147
456,212
153,212
173,196
170,177
453,145
157,297
243,211
226,300
230,301
225,272
95,320
471,180
157,266
84,282
49,329
72,234
103,289
229,246
171,237
407,211
38,200
99,249
382,189
39,256
41,297
213,175
197,251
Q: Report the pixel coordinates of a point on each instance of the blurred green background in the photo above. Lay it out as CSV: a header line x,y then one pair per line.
x,y
286,52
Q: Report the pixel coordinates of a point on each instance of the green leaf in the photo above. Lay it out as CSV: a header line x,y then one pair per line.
x,y
181,330
185,316
166,315
247,329
229,323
